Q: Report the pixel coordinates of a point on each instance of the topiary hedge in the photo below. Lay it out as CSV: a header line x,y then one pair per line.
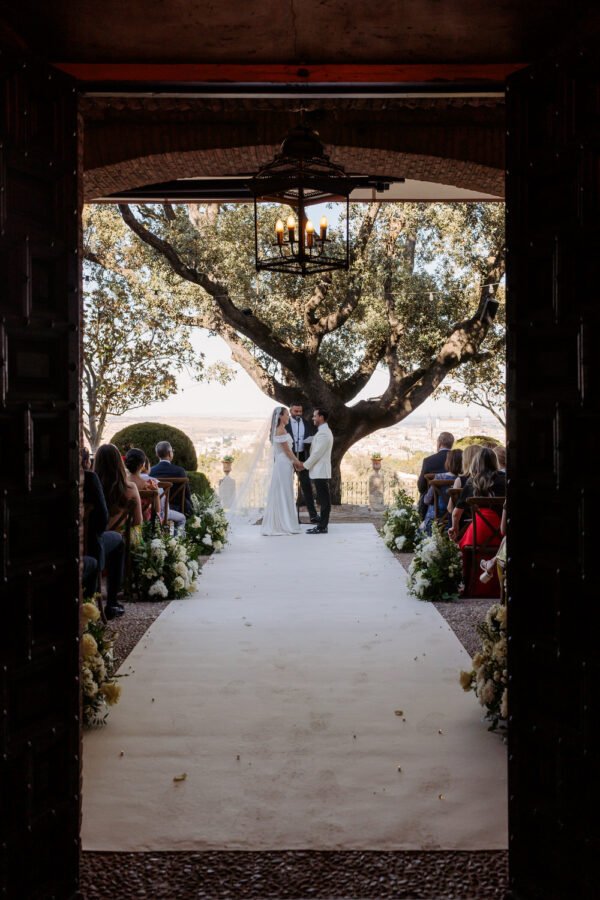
x,y
146,435
199,484
476,439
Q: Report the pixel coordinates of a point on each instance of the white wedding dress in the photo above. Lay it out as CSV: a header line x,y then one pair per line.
x,y
281,515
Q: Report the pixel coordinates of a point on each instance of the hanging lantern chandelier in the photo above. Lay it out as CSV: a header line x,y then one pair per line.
x,y
300,176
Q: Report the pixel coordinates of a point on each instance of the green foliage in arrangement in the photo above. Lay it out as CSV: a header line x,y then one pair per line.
x,y
146,435
401,523
489,675
436,570
482,439
206,529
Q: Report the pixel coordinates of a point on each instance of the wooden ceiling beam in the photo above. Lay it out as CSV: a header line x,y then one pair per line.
x,y
191,73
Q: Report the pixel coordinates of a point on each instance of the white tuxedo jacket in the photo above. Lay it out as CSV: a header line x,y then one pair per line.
x,y
319,461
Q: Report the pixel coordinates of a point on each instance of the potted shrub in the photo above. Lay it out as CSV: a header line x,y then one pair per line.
x,y
227,462
376,460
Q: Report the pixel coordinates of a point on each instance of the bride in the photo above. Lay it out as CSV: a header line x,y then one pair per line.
x,y
281,516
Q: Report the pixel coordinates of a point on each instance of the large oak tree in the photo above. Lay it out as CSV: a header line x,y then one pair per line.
x,y
414,301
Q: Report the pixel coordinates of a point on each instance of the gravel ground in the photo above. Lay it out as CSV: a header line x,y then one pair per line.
x,y
296,874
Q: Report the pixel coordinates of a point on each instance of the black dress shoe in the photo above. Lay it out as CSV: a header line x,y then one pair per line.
x,y
317,530
112,612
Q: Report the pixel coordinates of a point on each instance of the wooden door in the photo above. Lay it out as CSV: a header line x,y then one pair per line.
x,y
39,480
553,239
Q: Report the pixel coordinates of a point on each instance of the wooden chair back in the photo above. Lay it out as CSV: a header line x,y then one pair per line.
x,y
441,492
124,524
147,498
483,547
166,489
178,491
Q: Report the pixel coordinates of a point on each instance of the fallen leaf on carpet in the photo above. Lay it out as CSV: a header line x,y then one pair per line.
x,y
181,777
398,712
248,624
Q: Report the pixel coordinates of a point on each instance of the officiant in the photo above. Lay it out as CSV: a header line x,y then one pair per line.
x,y
302,431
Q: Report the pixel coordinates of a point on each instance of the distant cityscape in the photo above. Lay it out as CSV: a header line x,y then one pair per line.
x,y
214,436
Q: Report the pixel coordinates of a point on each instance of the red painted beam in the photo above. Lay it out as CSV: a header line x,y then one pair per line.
x,y
278,74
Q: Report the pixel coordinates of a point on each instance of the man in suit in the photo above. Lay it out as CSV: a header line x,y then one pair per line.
x,y
164,468
434,463
302,431
318,465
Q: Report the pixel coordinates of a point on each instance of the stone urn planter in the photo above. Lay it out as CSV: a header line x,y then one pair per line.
x,y
227,463
376,461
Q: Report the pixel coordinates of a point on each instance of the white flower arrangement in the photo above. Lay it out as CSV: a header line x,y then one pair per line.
x,y
98,688
206,531
489,675
162,568
435,572
401,524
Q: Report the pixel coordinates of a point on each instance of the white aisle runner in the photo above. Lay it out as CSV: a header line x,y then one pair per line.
x,y
275,689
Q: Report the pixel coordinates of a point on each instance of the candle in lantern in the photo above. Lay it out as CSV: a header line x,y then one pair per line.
x,y
279,231
323,228
291,225
310,233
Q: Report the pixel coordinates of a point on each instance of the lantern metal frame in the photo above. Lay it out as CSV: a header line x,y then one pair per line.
x,y
300,176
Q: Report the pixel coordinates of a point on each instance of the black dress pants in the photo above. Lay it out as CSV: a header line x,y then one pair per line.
x,y
323,499
306,488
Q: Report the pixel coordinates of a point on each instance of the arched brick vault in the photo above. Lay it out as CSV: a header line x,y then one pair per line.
x,y
130,142
197,163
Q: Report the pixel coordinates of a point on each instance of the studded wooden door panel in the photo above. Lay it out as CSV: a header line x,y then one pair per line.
x,y
39,472
553,236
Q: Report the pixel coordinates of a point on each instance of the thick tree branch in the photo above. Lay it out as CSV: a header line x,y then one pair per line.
x,y
248,325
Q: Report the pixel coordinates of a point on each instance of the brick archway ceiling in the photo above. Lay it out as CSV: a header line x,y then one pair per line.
x,y
132,142
101,183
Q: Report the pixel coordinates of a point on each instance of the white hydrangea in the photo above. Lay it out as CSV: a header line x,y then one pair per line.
x,y
178,584
400,541
196,522
218,545
181,569
158,589
207,540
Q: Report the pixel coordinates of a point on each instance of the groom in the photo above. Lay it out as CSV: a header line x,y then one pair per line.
x,y
318,466
302,431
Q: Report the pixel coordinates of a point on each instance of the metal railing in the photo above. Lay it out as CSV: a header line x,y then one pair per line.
x,y
356,493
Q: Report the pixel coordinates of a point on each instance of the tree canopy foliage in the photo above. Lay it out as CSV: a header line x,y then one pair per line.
x,y
413,301
134,344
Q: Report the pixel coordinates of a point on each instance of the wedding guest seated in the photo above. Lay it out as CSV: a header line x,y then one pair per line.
x,y
106,548
433,463
452,470
173,515
135,460
165,468
484,481
469,454
117,487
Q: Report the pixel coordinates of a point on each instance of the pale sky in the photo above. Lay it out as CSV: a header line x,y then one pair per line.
x,y
242,397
